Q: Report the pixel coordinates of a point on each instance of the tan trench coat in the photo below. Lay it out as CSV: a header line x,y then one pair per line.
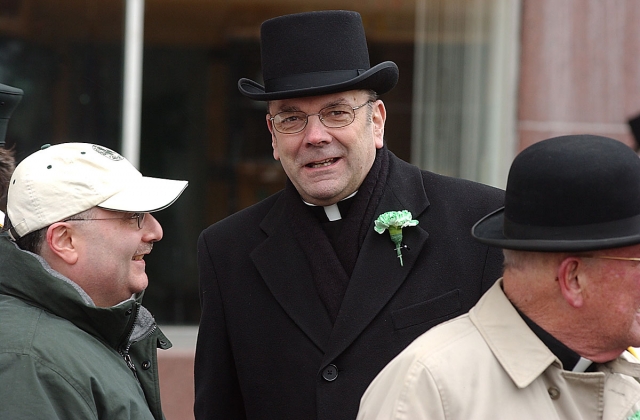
x,y
488,364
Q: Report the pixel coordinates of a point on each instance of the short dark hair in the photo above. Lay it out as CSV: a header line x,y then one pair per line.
x,y
33,241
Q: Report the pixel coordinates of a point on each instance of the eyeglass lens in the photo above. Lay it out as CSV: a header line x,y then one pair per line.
x,y
335,116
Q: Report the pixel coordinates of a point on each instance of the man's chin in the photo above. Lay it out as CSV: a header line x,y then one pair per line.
x,y
139,286
325,195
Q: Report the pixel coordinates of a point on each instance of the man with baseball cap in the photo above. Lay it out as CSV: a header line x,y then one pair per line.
x,y
306,296
75,342
548,340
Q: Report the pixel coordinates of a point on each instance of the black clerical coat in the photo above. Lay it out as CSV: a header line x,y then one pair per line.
x,y
266,346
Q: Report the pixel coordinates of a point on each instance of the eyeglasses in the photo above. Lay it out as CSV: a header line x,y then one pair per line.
x,y
603,257
334,116
138,216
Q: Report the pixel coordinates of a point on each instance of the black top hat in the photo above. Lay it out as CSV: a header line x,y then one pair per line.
x,y
9,99
570,193
316,53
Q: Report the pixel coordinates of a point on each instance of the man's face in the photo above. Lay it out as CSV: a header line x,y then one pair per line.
x,y
111,253
613,299
328,164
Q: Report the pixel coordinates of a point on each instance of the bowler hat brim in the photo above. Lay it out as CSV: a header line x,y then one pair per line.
x,y
380,78
491,231
9,99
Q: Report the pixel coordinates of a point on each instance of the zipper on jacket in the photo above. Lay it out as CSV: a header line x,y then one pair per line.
x,y
127,359
124,351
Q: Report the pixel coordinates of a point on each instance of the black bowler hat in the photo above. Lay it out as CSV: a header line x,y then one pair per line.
x,y
316,53
9,99
570,193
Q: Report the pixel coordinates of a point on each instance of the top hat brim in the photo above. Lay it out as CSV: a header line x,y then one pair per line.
x,y
490,230
380,78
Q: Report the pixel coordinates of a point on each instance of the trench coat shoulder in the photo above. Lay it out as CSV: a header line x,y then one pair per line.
x,y
445,373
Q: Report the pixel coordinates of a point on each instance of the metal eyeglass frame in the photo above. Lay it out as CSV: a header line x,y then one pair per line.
x,y
319,114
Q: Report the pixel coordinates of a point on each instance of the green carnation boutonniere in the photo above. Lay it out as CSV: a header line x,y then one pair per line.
x,y
394,221
635,416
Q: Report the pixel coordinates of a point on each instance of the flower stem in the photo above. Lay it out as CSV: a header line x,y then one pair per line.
x,y
396,237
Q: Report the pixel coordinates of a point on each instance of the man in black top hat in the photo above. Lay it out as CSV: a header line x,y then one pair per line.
x,y
9,99
548,340
303,301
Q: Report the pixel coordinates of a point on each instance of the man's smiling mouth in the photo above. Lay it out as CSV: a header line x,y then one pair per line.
x,y
321,163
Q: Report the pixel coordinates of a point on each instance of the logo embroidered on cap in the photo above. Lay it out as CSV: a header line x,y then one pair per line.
x,y
108,153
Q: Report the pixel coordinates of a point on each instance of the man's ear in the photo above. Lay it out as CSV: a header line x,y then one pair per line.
x,y
378,118
61,242
571,281
274,144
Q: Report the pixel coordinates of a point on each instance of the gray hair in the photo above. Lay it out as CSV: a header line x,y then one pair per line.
x,y
522,260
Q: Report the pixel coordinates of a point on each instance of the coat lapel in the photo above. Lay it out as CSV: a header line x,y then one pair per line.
x,y
286,271
378,274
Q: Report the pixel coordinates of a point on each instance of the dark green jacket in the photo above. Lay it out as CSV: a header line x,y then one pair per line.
x,y
63,358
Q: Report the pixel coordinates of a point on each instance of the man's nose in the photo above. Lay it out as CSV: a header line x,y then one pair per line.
x,y
315,131
152,229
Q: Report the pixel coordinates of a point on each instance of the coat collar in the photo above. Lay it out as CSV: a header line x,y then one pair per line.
x,y
518,349
525,358
520,352
376,276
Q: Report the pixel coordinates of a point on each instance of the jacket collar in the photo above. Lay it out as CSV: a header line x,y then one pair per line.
x,y
524,357
520,352
518,349
29,278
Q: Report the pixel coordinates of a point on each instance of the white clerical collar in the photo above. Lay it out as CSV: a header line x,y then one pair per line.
x,y
582,365
332,211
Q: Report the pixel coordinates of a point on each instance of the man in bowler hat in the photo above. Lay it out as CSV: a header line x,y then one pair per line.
x,y
303,302
9,99
548,340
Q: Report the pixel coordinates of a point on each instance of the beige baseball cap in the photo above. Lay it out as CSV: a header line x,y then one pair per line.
x,y
60,181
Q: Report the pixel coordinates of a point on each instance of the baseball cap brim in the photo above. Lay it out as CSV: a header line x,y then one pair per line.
x,y
145,195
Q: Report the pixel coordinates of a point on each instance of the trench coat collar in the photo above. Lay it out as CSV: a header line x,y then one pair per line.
x,y
376,276
518,349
